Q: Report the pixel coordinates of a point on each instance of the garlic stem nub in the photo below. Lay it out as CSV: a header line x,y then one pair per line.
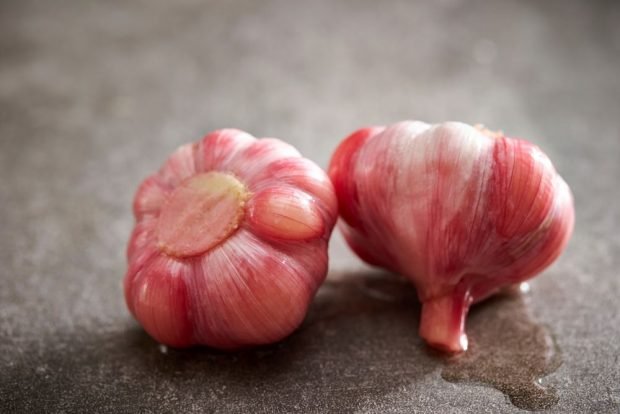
x,y
442,324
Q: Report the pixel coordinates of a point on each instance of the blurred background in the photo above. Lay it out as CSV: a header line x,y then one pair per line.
x,y
94,95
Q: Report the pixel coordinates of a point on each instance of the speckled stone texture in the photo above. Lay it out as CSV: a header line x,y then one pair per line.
x,y
95,94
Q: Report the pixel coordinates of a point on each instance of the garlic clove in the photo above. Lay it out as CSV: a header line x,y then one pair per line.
x,y
161,302
285,213
240,300
303,174
216,149
524,191
366,250
259,155
150,196
179,166
343,159
141,238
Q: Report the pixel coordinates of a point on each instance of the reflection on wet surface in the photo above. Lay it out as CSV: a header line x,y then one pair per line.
x,y
358,347
508,351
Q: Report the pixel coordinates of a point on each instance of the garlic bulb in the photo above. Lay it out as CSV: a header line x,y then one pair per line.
x,y
230,242
458,210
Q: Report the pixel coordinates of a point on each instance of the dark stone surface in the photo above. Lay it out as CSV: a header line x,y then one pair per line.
x,y
94,95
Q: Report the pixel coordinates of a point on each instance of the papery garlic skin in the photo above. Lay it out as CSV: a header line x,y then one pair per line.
x,y
230,242
460,211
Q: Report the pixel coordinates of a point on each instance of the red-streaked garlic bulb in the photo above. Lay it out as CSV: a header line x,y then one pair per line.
x,y
459,210
230,242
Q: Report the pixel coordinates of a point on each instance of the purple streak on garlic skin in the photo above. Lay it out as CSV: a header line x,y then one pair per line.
x,y
230,242
458,210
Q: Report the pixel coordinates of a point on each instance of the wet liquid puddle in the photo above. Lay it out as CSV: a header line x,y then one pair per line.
x,y
508,351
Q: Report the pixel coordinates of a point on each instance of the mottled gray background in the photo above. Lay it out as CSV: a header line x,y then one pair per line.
x,y
95,94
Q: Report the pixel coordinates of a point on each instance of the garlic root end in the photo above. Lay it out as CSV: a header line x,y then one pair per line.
x,y
442,324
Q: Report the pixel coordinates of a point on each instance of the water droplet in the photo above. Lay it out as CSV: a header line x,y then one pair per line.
x,y
524,287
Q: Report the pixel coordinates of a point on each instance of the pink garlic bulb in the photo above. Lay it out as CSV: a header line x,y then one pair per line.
x,y
458,210
230,242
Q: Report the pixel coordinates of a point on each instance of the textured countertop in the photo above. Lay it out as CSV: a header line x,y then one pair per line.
x,y
94,95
